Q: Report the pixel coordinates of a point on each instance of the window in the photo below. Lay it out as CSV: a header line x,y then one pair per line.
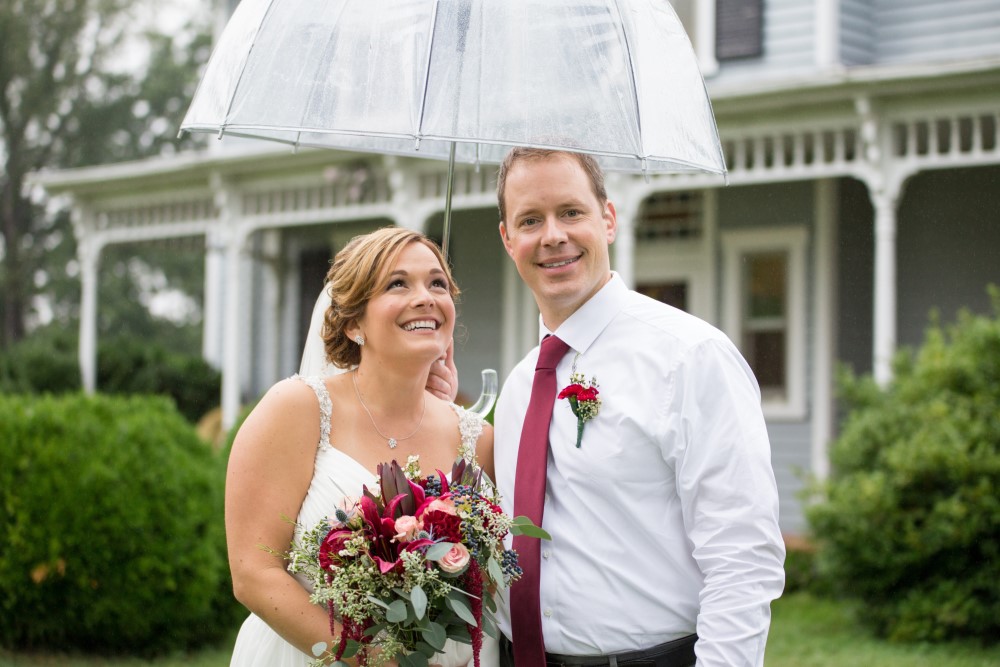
x,y
765,312
764,320
670,215
673,293
739,29
674,263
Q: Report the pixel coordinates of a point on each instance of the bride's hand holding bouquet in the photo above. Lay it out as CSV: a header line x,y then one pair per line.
x,y
410,565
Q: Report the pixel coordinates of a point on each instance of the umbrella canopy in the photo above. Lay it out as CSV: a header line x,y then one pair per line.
x,y
464,78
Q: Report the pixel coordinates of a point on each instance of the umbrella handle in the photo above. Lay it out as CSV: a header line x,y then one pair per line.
x,y
488,397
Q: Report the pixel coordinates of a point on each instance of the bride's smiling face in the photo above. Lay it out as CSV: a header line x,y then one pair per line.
x,y
413,313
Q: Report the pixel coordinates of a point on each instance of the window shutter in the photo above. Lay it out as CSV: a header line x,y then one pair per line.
x,y
739,29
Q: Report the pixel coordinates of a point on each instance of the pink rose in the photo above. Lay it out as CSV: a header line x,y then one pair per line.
x,y
407,528
455,560
445,505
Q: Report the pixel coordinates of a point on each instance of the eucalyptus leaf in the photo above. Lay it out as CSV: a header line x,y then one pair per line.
x,y
419,601
375,600
318,649
375,629
438,551
435,635
401,592
426,649
462,610
412,660
396,612
494,570
351,648
489,603
522,525
460,634
490,628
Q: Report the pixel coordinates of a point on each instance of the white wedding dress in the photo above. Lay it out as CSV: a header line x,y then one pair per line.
x,y
336,476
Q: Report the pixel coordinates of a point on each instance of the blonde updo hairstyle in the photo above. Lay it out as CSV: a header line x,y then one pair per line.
x,y
359,272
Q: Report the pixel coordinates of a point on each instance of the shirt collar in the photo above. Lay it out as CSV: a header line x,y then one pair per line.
x,y
583,327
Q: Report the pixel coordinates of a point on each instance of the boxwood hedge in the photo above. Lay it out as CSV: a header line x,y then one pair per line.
x,y
111,537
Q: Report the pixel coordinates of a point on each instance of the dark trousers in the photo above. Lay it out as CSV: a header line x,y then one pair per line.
x,y
678,653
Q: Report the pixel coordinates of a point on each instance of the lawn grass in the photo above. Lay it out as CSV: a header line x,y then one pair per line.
x,y
805,632
817,632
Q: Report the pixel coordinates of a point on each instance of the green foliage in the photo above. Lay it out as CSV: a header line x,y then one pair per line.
x,y
68,102
909,522
112,536
133,366
47,362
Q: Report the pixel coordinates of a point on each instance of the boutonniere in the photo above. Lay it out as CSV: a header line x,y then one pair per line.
x,y
583,399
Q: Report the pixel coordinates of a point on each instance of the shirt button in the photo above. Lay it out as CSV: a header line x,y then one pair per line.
x,y
548,612
546,554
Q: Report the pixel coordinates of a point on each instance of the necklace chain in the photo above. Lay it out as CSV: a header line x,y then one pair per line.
x,y
392,442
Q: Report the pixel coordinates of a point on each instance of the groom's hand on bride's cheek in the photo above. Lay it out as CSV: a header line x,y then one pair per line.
x,y
443,378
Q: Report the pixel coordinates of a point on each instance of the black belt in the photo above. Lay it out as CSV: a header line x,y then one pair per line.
x,y
676,653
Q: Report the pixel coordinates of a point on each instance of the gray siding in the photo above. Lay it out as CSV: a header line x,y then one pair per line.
x,y
789,44
948,247
790,458
770,206
776,205
921,31
857,32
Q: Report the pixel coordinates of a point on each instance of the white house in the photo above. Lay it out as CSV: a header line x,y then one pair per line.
x,y
862,142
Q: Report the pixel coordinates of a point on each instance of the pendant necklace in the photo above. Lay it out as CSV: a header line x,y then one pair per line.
x,y
392,442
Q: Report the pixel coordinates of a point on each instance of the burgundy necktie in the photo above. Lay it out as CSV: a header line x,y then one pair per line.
x,y
529,500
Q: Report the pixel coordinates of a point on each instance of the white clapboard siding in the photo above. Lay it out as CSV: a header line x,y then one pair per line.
x,y
912,31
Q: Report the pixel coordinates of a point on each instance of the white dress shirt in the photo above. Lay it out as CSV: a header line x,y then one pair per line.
x,y
665,521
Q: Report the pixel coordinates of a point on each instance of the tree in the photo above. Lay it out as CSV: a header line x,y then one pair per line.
x,y
67,101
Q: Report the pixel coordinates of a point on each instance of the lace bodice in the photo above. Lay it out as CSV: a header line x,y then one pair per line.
x,y
470,424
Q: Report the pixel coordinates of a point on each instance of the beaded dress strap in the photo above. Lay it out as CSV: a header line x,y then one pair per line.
x,y
470,427
325,406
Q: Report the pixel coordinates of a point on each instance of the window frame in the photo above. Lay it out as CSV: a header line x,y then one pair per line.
x,y
689,260
791,241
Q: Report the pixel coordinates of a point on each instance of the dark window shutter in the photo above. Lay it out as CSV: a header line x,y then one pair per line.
x,y
739,29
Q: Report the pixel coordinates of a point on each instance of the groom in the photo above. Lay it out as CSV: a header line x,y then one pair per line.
x,y
660,498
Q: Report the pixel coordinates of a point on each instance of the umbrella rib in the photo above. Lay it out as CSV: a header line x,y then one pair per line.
x,y
239,79
427,76
635,89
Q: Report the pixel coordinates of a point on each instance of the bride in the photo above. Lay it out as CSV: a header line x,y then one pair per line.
x,y
312,441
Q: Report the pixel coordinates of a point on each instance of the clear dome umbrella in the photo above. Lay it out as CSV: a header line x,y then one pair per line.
x,y
464,81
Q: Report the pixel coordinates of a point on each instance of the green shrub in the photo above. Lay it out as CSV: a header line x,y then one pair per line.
x,y
909,521
134,366
112,536
46,362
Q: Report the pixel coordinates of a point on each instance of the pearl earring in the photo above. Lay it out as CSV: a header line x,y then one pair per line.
x,y
360,340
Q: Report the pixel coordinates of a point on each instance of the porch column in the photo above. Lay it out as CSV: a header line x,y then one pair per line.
x,y
884,202
233,237
215,262
626,199
232,331
89,254
824,318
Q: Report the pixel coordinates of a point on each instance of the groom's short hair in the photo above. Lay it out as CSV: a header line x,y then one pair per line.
x,y
523,154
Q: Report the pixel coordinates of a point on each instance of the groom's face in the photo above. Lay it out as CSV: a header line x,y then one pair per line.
x,y
557,232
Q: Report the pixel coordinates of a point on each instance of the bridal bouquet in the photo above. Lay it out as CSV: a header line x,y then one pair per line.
x,y
411,564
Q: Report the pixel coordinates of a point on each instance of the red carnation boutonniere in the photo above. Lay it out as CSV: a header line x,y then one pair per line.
x,y
583,399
